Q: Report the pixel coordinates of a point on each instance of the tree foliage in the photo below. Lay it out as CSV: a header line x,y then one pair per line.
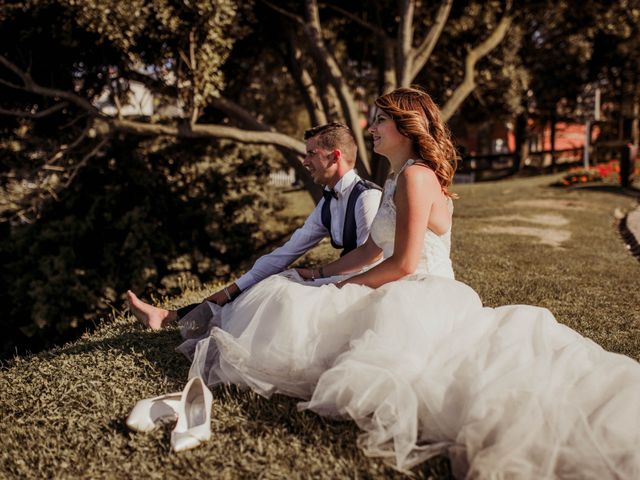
x,y
179,52
565,48
87,214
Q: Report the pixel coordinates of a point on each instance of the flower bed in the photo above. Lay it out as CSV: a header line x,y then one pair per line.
x,y
608,172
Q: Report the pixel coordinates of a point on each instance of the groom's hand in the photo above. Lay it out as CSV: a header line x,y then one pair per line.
x,y
307,273
219,298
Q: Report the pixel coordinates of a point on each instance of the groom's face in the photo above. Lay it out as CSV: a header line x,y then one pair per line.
x,y
320,162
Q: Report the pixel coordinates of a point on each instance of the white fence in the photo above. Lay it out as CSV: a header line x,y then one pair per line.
x,y
282,178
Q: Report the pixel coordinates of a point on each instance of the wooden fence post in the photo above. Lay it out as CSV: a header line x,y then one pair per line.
x,y
625,166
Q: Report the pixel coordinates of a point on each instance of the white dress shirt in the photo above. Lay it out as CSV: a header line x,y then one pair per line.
x,y
307,236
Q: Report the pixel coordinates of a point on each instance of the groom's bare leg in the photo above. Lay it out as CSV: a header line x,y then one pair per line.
x,y
150,316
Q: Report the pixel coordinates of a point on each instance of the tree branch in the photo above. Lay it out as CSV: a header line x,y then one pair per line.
x,y
313,31
369,26
303,79
204,131
388,70
23,76
404,52
152,84
12,85
422,53
192,66
74,120
468,84
41,114
389,77
65,148
234,110
291,148
83,162
284,12
194,131
33,87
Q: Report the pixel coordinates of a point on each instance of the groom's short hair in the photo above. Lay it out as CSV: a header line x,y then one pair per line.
x,y
335,135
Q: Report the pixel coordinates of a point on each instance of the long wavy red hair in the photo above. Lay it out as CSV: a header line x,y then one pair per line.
x,y
418,117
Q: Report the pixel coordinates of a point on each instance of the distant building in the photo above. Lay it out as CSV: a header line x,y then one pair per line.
x,y
140,102
498,137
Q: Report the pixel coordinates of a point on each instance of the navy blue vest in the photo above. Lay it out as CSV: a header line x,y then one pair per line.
x,y
349,232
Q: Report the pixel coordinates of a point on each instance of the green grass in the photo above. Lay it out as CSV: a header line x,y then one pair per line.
x,y
63,411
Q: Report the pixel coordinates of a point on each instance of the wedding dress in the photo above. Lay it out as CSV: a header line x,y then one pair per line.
x,y
423,369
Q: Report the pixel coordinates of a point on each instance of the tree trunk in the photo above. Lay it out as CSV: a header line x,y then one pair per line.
x,y
635,127
404,52
305,84
329,99
422,53
381,170
388,72
326,60
468,84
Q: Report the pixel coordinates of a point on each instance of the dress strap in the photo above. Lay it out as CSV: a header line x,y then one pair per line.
x,y
408,163
450,205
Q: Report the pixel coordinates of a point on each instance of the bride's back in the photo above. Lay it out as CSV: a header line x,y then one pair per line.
x,y
434,258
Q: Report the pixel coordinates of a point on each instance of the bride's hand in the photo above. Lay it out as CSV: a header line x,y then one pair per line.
x,y
308,273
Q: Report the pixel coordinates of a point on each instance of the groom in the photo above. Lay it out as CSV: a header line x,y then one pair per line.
x,y
345,214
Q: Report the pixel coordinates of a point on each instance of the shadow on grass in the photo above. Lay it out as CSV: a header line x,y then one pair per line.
x,y
281,412
338,435
158,348
144,356
261,417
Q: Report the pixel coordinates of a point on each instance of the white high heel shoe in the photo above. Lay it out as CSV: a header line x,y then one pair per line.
x,y
194,416
147,414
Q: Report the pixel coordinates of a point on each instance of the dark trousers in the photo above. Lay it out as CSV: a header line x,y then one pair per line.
x,y
184,310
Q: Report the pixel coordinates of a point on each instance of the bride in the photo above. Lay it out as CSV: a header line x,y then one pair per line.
x,y
410,354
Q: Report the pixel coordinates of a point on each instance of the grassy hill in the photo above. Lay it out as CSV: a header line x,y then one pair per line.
x,y
515,241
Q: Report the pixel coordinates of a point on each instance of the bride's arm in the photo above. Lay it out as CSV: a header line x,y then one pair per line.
x,y
417,190
355,260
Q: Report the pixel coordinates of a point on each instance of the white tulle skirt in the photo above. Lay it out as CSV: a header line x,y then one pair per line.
x,y
423,369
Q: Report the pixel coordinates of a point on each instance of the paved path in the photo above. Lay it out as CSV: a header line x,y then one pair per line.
x,y
630,231
633,222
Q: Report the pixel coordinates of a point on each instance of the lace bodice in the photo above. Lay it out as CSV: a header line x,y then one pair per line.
x,y
436,249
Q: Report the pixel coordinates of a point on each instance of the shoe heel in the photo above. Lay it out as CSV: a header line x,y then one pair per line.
x,y
194,416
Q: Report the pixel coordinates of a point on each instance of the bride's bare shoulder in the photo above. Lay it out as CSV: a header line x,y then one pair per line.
x,y
418,175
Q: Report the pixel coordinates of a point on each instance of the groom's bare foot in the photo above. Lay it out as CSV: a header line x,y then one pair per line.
x,y
153,317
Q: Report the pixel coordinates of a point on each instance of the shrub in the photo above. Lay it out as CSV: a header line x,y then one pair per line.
x,y
149,213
